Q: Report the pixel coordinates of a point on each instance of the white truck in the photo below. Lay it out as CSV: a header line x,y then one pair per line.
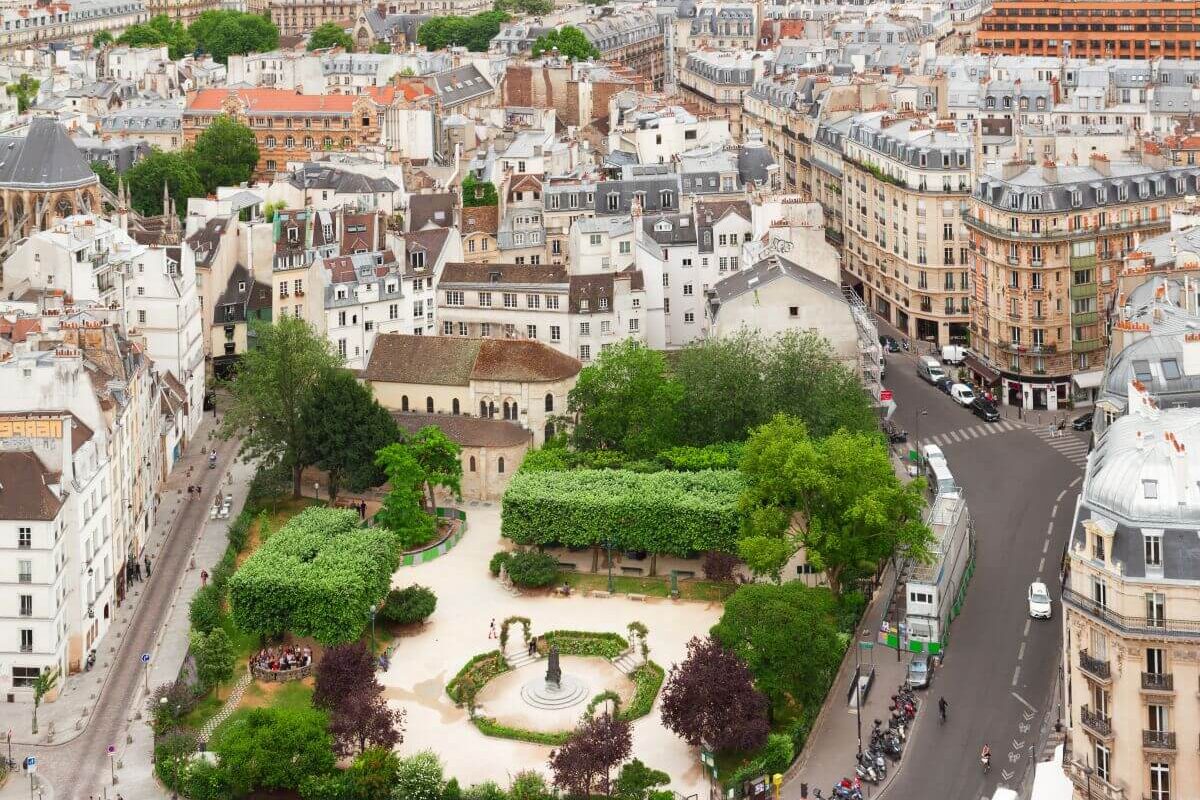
x,y
953,354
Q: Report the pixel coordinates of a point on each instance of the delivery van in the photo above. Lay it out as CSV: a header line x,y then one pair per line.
x,y
929,369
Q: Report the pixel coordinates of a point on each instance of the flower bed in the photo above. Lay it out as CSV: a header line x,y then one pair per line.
x,y
481,669
584,643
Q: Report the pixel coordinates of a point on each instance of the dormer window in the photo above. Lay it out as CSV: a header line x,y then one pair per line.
x,y
662,226
293,234
1076,198
1035,202
241,286
1150,489
1102,195
1014,200
416,259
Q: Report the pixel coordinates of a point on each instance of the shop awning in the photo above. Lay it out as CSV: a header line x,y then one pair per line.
x,y
1088,380
976,364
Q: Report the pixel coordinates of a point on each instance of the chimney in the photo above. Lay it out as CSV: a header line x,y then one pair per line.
x,y
1100,163
1012,169
1049,171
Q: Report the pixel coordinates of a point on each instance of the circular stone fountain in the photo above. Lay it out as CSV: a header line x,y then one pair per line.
x,y
554,691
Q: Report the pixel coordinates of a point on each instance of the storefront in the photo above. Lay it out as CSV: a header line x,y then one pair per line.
x,y
1087,384
1039,394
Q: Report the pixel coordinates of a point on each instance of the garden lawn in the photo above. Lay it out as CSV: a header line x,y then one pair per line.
x,y
292,695
704,591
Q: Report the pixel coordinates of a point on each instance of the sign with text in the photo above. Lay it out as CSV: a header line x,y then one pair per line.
x,y
27,427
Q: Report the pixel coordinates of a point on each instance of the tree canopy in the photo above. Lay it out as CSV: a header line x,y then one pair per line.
x,y
475,32
439,457
225,33
786,635
269,390
342,428
625,401
146,179
25,89
101,39
273,748
215,658
570,42
838,497
710,700
330,34
108,175
531,7
478,193
160,30
225,154
402,509
584,762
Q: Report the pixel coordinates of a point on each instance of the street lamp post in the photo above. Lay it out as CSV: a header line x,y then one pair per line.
x,y
1087,771
922,413
858,694
608,547
374,609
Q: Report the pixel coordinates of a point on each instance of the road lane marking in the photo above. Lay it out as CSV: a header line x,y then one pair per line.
x,y
1016,674
1023,701
1050,527
1060,496
1045,546
1054,511
1041,565
1021,652
1026,633
1075,482
954,435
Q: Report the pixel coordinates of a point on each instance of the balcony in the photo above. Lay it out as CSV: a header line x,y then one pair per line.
x,y
1158,682
975,223
1158,740
1085,318
1132,626
1086,345
1096,722
1097,668
1081,290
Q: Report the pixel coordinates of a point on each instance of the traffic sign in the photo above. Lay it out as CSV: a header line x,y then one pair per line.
x,y
885,395
31,764
145,658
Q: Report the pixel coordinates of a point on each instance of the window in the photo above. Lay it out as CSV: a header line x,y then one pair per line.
x,y
455,408
1156,609
585,352
594,240
687,289
1153,549
555,333
404,402
342,348
614,201
585,329
500,464
447,328
1102,761
1157,718
623,248
1155,660
531,331
1170,369
1160,781
485,329
472,463
533,301
454,298
1099,592
26,640
552,302
393,311
605,326
1150,489
429,405
633,325
462,329
689,317
24,538
510,300
485,299
26,605
24,677
25,572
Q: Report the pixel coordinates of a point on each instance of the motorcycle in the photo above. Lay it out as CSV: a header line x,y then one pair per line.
x,y
899,729
888,745
986,760
866,773
91,660
904,344
903,707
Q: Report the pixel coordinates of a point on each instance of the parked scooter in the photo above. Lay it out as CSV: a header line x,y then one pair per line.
x,y
904,344
91,660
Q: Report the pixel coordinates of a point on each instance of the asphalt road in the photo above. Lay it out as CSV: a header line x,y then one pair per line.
x,y
82,762
1000,666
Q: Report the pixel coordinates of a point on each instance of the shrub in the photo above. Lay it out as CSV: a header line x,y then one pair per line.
x,y
694,459
532,569
677,513
172,754
408,605
587,643
850,607
648,679
479,670
500,559
204,612
719,566
317,576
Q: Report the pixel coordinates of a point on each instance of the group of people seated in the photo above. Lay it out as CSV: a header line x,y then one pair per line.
x,y
277,659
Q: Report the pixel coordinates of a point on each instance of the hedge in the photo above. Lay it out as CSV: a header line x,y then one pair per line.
x,y
675,513
724,456
316,576
482,668
586,643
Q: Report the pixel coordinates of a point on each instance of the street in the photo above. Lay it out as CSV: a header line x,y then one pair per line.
x,y
1000,666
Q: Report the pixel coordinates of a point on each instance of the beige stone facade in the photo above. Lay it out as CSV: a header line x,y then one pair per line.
x,y
492,449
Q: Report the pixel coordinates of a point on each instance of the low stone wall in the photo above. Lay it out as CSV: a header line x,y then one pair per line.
x,y
281,675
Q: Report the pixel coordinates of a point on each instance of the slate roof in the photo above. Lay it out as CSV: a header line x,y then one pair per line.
x,y
44,158
467,431
599,285
503,274
1083,187
765,272
322,176
460,85
455,361
436,208
24,493
679,228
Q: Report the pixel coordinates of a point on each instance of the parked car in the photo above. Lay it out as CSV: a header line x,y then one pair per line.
x,y
944,384
920,670
929,369
889,344
962,394
985,410
1039,601
1084,421
931,452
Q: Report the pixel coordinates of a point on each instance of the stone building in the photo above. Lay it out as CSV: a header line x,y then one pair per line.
x,y
492,449
716,80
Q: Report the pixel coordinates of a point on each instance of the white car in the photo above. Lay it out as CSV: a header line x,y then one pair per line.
x,y
962,394
1039,601
931,452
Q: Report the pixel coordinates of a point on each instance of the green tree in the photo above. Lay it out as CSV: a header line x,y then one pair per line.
x,y
330,34
43,685
787,637
374,773
382,48
530,785
636,781
101,39
158,31
108,175
475,32
625,401
225,33
26,91
419,777
214,656
570,42
273,748
478,193
531,7
804,378
402,506
147,177
439,457
722,382
838,497
343,427
269,389
224,154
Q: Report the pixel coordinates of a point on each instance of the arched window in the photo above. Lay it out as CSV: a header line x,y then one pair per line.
x,y
429,405
482,408
514,409
491,409
404,402
500,464
506,410
549,402
454,407
472,463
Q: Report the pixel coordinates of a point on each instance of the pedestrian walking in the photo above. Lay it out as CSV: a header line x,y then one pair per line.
x,y
492,629
147,567
203,577
362,509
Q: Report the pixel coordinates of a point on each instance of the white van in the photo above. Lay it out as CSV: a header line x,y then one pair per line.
x,y
929,369
953,354
937,473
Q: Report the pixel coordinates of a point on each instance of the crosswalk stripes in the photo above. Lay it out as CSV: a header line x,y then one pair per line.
x,y
1071,444
971,432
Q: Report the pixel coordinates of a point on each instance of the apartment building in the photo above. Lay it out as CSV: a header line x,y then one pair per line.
x,y
1047,243
633,39
363,297
36,25
1142,29
715,82
185,11
1131,599
302,17
505,300
906,179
